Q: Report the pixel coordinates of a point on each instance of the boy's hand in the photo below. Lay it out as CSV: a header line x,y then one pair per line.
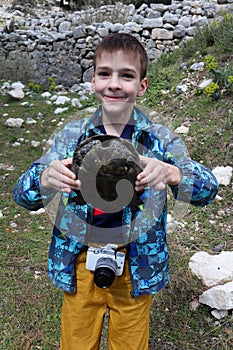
x,y
59,176
157,174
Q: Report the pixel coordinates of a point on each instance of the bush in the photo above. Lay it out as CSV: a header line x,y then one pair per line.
x,y
222,78
218,33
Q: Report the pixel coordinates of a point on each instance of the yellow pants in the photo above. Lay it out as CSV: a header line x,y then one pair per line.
x,y
83,314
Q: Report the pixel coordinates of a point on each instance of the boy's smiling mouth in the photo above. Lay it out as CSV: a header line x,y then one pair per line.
x,y
114,98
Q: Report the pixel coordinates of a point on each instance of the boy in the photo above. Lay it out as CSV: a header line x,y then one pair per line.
x,y
120,65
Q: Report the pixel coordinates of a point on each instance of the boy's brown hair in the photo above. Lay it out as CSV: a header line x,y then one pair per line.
x,y
123,42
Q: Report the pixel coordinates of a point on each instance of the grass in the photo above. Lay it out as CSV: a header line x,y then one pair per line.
x,y
30,305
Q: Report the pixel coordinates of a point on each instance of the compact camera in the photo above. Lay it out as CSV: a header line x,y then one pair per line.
x,y
106,264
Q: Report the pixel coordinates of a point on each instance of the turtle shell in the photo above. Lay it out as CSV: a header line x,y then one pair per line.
x,y
103,161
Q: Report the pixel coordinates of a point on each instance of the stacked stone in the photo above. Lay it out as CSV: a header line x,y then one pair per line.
x,y
62,45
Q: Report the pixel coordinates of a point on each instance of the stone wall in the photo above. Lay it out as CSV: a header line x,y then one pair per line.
x,y
61,45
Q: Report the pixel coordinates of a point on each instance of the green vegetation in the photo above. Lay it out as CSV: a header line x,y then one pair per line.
x,y
38,88
30,305
222,78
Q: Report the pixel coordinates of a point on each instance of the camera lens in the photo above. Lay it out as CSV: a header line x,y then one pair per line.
x,y
105,271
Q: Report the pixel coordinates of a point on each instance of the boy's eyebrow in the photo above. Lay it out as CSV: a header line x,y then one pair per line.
x,y
122,69
102,67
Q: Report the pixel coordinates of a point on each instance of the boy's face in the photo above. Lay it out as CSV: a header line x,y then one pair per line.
x,y
116,81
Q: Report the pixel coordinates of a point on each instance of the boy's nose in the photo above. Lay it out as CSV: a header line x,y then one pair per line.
x,y
114,83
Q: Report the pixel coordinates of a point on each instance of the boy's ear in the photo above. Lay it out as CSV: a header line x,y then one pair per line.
x,y
143,87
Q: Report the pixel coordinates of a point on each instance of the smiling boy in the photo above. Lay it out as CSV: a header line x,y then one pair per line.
x,y
117,80
120,65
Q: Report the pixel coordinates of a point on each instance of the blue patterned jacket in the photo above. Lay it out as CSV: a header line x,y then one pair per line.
x,y
146,232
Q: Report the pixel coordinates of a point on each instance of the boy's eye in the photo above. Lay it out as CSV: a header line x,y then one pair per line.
x,y
128,76
103,74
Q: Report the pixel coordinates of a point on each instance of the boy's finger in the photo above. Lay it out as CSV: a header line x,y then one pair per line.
x,y
67,162
143,159
62,168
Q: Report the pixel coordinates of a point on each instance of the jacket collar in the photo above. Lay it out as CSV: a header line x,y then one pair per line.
x,y
139,120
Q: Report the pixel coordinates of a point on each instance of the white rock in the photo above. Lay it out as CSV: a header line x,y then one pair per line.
x,y
16,94
6,85
14,122
61,100
75,103
83,98
35,143
16,144
205,83
219,297
37,274
31,121
223,174
219,198
219,313
37,212
60,110
181,89
182,130
18,85
46,94
53,98
197,66
39,115
87,86
212,269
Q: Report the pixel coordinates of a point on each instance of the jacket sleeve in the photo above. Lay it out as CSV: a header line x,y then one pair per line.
x,y
198,186
28,191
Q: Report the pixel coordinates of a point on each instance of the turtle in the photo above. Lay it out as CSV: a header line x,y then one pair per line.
x,y
104,161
